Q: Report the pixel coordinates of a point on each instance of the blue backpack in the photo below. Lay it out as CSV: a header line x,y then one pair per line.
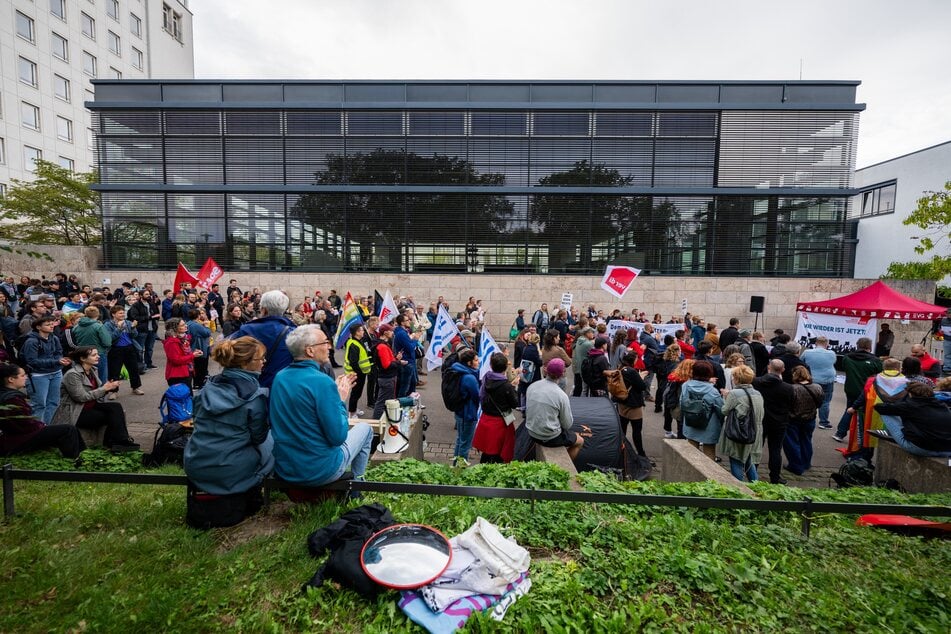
x,y
176,404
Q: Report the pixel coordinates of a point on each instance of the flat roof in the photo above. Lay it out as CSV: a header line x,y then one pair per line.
x,y
476,94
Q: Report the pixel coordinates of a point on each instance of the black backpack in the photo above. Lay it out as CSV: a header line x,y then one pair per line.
x,y
741,429
452,390
587,371
169,446
857,472
18,350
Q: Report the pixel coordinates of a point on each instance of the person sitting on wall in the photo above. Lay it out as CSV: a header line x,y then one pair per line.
x,y
930,366
920,424
20,431
548,416
230,451
312,442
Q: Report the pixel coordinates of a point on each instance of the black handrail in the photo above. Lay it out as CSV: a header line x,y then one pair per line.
x,y
806,507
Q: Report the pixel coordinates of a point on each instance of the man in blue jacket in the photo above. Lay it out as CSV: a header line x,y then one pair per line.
x,y
468,414
313,444
272,330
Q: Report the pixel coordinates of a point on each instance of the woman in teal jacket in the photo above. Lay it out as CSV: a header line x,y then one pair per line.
x,y
230,451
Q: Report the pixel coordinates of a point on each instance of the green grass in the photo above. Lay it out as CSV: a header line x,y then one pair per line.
x,y
118,558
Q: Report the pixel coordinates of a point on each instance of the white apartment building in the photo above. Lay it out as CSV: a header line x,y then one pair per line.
x,y
889,192
50,50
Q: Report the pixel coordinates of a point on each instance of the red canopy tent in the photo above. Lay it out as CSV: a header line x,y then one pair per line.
x,y
875,301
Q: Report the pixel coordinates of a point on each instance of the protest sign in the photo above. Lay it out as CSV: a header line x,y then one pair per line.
x,y
566,300
617,279
842,332
660,329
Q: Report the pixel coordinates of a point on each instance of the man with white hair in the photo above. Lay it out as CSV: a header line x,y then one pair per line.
x,y
313,443
271,329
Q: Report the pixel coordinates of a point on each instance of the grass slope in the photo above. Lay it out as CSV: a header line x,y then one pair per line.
x,y
93,557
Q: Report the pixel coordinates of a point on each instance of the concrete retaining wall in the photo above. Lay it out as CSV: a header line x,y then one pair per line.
x,y
914,473
682,462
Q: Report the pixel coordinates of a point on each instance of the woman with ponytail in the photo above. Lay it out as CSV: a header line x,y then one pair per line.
x,y
230,451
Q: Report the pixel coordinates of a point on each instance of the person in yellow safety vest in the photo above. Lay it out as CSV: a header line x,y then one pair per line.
x,y
356,361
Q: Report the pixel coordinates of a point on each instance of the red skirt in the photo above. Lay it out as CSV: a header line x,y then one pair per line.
x,y
494,437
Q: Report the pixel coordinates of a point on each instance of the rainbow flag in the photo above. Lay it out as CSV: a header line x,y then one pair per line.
x,y
349,315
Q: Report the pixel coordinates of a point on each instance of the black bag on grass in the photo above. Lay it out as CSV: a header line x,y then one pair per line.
x,y
169,446
205,510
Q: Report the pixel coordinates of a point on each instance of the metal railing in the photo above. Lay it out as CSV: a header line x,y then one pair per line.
x,y
806,508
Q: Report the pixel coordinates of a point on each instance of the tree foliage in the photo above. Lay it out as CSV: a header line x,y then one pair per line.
x,y
933,217
58,207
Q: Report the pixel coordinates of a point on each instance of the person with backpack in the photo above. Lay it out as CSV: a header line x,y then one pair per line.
x,y
701,405
464,402
746,404
231,449
777,404
675,382
663,367
652,354
199,334
43,359
83,402
583,344
20,431
387,369
593,367
631,409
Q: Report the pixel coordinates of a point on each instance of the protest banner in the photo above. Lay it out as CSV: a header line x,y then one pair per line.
x,y
443,332
566,300
487,347
209,274
841,331
388,311
661,329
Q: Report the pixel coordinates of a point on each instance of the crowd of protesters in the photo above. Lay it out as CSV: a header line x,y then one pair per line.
x,y
68,348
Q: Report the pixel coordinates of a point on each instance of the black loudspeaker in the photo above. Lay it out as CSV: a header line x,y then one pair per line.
x,y
756,303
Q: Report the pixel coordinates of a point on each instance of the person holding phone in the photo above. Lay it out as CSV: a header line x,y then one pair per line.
x,y
180,358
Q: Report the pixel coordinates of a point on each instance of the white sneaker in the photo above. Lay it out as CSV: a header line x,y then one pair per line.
x,y
360,413
112,396
460,462
669,434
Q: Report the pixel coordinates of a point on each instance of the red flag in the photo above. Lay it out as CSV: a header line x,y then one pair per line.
x,y
183,277
209,274
617,279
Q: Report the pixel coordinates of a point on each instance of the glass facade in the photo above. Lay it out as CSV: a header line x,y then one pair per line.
x,y
509,178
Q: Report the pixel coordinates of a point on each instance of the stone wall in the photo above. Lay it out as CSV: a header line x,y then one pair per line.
x,y
716,298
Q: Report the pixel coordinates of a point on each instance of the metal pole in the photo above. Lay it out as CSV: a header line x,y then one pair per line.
x,y
806,518
8,508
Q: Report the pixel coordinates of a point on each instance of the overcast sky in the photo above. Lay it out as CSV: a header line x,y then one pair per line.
x,y
900,51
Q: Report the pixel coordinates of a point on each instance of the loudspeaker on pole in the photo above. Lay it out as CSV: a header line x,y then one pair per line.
x,y
757,302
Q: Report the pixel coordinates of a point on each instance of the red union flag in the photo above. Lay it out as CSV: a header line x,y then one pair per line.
x,y
617,279
182,277
209,274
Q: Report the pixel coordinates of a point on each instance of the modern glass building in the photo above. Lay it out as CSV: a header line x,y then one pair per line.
x,y
686,178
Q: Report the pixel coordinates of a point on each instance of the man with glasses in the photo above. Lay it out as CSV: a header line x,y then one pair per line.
x,y
313,443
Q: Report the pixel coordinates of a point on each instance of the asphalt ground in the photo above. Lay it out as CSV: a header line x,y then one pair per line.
x,y
142,415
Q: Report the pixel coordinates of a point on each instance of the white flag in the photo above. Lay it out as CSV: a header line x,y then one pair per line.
x,y
388,311
487,347
443,332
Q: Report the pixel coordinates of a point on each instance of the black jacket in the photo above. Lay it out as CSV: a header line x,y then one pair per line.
x,y
500,396
925,421
777,399
760,357
790,361
717,369
635,387
728,337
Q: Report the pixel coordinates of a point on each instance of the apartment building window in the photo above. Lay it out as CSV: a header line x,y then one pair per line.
x,y
115,73
66,163
59,47
3,152
64,129
58,8
88,26
876,200
172,22
137,58
136,24
3,190
90,139
112,9
30,156
89,64
115,44
27,71
24,24
61,87
29,115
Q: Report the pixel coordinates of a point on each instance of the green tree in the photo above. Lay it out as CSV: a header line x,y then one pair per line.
x,y
58,207
933,217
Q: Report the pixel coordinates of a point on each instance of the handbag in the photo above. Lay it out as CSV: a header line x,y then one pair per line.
x,y
513,332
741,430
